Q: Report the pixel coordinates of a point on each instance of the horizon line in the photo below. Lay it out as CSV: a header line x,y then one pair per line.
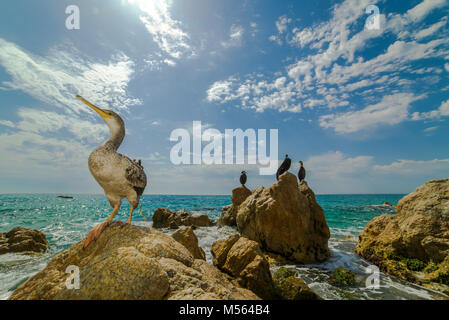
x,y
182,194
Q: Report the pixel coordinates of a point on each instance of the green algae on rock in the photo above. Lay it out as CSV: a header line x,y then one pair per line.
x,y
342,277
290,287
413,240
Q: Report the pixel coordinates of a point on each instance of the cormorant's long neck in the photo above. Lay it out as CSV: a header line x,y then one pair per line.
x,y
117,133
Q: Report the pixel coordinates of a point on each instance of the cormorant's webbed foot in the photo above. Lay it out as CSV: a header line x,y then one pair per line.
x,y
95,232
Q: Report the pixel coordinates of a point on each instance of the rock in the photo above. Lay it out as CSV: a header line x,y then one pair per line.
x,y
23,240
229,213
243,259
286,219
289,287
188,239
131,262
439,273
416,236
342,277
165,218
283,273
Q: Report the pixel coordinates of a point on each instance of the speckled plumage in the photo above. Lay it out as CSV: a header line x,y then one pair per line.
x,y
119,176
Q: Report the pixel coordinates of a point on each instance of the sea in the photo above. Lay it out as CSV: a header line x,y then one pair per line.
x,y
67,221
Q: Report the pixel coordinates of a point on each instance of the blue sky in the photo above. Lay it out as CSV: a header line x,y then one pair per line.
x,y
366,110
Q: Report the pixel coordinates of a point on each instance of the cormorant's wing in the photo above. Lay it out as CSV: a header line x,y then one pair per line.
x,y
284,165
135,175
288,163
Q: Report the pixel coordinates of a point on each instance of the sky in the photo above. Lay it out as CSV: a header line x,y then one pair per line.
x,y
366,110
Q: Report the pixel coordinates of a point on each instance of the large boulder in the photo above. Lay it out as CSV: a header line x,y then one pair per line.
x,y
131,262
416,236
243,259
23,240
165,218
188,239
229,213
286,219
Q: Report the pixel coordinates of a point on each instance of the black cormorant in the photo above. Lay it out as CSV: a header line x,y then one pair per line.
x,y
284,166
301,172
243,178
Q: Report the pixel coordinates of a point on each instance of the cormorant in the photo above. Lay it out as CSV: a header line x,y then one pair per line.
x,y
301,172
284,166
119,176
243,178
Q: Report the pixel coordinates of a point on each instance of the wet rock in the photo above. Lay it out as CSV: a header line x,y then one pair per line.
x,y
131,262
165,218
415,237
188,239
342,277
23,240
242,259
286,219
229,213
290,287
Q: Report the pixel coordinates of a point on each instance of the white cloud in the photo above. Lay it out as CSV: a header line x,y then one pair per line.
x,y
336,172
39,163
430,30
405,167
7,123
442,111
335,164
275,39
40,121
166,31
256,95
421,10
282,22
219,91
235,37
59,77
332,73
47,145
430,131
390,110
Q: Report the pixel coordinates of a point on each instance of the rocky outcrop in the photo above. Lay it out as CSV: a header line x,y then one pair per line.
x,y
286,219
131,262
243,259
165,218
229,213
414,238
290,287
23,240
188,239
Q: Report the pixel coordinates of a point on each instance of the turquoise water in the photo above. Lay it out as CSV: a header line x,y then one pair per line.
x,y
66,221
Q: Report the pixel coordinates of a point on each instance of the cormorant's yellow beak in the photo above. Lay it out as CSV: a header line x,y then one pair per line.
x,y
98,110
